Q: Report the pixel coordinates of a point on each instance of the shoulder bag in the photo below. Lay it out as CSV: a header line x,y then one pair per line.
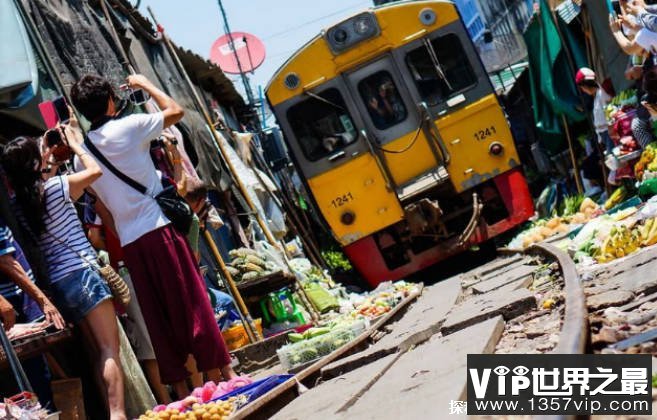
x,y
117,285
174,207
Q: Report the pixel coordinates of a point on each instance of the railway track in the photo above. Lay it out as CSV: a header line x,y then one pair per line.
x,y
518,303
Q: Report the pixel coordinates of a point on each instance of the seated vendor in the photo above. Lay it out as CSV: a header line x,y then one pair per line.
x,y
17,287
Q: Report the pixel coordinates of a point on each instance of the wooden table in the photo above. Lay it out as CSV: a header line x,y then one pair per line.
x,y
35,345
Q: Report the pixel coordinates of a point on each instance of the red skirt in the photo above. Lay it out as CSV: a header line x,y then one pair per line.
x,y
175,304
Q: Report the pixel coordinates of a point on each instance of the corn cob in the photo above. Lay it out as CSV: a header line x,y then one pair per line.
x,y
250,267
255,260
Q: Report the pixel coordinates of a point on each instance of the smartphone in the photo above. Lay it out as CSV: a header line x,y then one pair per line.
x,y
48,113
61,108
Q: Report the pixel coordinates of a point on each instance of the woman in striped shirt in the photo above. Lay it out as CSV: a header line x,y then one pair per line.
x,y
45,202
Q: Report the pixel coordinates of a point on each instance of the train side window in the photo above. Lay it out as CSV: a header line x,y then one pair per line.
x,y
453,63
322,124
382,100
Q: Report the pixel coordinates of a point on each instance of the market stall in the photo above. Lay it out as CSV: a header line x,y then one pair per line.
x,y
620,113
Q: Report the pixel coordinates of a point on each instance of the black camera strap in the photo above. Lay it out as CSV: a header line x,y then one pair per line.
x,y
123,177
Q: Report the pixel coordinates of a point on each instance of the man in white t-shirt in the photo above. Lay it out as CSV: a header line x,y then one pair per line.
x,y
167,280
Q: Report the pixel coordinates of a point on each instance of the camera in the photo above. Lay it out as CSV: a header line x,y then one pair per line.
x,y
135,96
138,96
53,137
56,140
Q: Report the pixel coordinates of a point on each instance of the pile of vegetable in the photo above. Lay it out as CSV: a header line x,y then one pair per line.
x,y
615,236
618,196
620,112
247,265
625,100
329,336
193,410
647,164
319,341
382,300
337,261
577,210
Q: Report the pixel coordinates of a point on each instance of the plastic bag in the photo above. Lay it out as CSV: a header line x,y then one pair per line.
x,y
272,254
320,297
648,188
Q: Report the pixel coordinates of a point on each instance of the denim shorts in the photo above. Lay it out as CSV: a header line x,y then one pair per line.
x,y
79,292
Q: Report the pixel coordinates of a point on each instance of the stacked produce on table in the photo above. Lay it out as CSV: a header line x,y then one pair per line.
x,y
614,236
620,112
577,210
201,403
247,265
624,101
646,167
342,328
193,410
319,341
646,171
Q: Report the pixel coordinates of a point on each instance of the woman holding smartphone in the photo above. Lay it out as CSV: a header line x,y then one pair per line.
x,y
45,202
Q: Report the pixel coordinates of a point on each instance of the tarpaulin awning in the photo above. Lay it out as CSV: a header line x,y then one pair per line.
x,y
552,77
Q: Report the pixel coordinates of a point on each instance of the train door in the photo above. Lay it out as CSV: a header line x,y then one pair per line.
x,y
395,128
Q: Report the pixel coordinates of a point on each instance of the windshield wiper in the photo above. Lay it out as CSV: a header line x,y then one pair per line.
x,y
326,101
436,63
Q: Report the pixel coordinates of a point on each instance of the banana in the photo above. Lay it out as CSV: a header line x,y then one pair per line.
x,y
645,229
652,235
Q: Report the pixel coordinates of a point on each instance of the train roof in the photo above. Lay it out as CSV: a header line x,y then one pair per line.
x,y
314,60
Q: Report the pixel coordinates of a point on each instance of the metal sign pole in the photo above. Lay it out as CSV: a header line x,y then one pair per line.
x,y
245,79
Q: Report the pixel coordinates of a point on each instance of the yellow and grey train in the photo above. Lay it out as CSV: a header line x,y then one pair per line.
x,y
394,126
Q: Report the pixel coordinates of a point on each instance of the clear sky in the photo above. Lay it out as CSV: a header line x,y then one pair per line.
x,y
283,25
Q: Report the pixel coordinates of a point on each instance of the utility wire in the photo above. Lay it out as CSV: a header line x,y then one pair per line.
x,y
310,22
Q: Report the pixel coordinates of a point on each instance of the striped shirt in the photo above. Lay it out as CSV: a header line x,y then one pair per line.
x,y
9,246
64,244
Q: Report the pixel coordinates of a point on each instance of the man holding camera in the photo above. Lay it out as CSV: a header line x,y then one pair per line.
x,y
167,280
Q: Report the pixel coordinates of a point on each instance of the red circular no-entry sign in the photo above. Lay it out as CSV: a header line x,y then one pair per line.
x,y
250,52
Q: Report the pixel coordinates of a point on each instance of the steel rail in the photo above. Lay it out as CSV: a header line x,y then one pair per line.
x,y
575,334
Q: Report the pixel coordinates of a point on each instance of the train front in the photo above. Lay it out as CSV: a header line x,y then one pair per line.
x,y
394,126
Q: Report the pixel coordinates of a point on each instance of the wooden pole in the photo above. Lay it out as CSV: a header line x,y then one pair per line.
x,y
578,180
251,330
201,108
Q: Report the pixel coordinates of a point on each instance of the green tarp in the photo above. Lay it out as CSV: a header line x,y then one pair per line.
x,y
552,81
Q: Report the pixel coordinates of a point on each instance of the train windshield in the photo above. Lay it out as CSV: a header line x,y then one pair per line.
x,y
441,71
382,99
322,124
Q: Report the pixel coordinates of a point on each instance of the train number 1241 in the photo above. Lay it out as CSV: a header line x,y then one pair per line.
x,y
342,200
485,133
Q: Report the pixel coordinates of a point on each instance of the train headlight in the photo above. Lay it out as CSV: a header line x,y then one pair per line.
x,y
348,218
496,149
347,34
362,25
340,36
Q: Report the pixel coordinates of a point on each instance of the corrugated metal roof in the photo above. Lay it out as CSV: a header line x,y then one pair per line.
x,y
209,77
